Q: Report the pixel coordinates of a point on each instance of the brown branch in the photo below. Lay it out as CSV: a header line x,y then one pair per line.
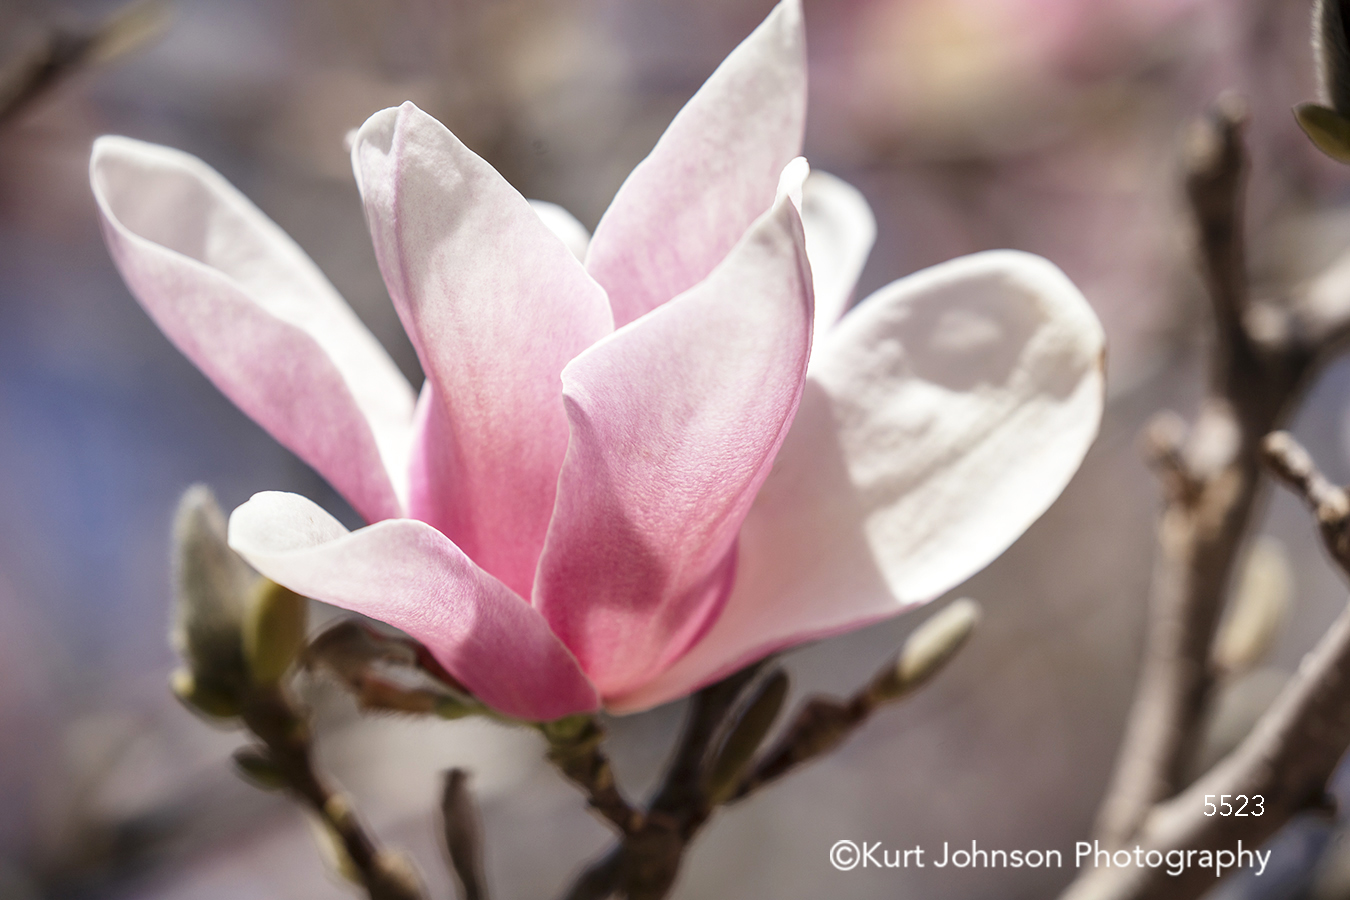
x,y
825,723
708,711
1216,172
725,725
1286,760
646,860
574,746
1258,369
288,760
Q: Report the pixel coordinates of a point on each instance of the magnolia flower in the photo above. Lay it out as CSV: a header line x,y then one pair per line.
x,y
640,460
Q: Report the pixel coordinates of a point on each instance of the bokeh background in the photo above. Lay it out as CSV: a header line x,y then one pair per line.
x,y
1046,125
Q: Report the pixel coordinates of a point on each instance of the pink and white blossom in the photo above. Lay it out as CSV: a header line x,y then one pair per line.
x,y
642,460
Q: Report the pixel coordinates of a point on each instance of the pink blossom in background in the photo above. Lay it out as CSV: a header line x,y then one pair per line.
x,y
641,459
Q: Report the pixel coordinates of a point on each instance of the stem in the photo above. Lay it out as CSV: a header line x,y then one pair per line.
x,y
270,716
646,860
575,748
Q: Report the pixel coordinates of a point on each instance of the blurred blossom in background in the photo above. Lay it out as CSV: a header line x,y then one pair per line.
x,y
1044,125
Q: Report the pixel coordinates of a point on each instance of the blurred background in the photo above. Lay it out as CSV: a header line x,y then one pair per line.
x,y
1046,125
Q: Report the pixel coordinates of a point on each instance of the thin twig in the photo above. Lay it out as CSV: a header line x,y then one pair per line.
x,y
647,860
824,723
1287,759
574,746
725,724
708,711
270,715
1259,367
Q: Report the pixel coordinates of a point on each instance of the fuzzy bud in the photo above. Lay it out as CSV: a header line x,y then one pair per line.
x,y
274,631
927,650
211,583
1258,609
257,766
205,698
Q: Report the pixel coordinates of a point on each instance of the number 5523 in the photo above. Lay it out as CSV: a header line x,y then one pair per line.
x,y
1241,805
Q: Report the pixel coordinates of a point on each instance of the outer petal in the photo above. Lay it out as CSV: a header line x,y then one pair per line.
x,y
246,304
408,574
675,423
840,231
943,415
711,174
496,306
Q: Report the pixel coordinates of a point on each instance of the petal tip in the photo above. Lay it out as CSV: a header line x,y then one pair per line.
x,y
793,178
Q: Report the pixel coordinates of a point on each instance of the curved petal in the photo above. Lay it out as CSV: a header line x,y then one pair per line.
x,y
408,574
711,174
496,305
840,230
942,416
675,423
246,304
564,225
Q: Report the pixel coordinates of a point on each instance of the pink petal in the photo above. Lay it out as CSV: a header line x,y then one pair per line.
x,y
408,574
942,416
840,230
675,423
712,173
246,304
496,305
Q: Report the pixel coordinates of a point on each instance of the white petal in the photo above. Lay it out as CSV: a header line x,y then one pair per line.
x,y
840,231
943,415
565,225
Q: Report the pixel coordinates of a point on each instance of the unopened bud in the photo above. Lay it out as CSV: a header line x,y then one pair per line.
x,y
927,650
211,584
462,833
274,631
1258,610
1237,706
203,697
744,737
257,766
1327,124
